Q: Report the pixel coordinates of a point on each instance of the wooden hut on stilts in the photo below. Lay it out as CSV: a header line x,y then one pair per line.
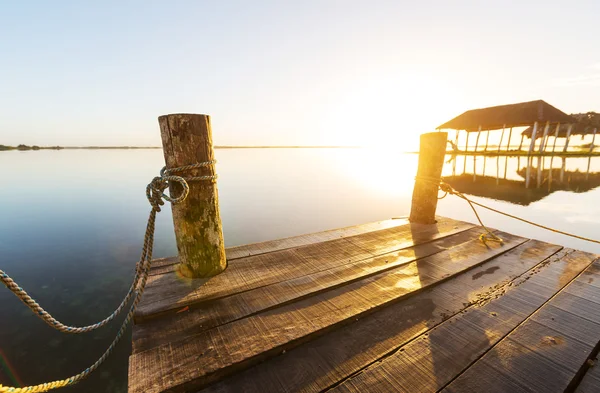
x,y
539,116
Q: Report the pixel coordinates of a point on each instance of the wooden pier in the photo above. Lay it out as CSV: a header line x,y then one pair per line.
x,y
391,306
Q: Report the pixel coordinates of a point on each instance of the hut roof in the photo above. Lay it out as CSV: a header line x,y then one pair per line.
x,y
513,115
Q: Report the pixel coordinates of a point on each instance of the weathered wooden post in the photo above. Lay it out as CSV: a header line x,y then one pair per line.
x,y
431,160
508,141
593,140
187,140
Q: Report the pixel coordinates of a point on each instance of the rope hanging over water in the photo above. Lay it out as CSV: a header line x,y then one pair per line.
x,y
448,189
156,197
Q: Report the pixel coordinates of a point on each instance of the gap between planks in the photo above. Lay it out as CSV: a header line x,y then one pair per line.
x,y
204,316
332,358
240,344
168,293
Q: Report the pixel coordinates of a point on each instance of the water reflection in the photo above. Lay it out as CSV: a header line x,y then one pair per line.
x,y
522,180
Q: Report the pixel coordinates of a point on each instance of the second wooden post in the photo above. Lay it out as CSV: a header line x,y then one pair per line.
x,y
432,151
187,139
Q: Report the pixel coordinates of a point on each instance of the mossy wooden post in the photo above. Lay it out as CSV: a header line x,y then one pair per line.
x,y
431,160
187,139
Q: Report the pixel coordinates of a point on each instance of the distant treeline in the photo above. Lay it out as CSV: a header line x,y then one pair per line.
x,y
35,147
25,147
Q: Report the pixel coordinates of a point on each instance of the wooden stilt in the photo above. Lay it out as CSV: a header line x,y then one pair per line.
x,y
540,163
550,173
501,137
467,142
593,140
544,136
487,140
456,140
508,141
533,135
484,162
454,159
568,137
555,137
587,172
477,140
528,171
521,144
497,170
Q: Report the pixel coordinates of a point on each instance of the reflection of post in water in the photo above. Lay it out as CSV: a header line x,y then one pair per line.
x,y
562,169
506,165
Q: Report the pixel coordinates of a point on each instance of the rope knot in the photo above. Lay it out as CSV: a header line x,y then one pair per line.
x,y
155,191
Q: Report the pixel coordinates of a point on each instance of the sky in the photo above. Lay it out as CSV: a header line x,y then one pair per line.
x,y
326,72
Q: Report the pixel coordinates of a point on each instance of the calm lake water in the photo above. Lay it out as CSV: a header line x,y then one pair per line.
x,y
73,222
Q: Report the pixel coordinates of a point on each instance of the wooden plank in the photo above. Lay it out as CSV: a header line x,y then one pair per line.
x,y
203,358
166,265
168,293
311,238
548,350
336,356
220,311
433,360
591,380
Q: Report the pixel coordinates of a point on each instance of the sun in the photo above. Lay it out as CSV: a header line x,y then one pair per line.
x,y
386,112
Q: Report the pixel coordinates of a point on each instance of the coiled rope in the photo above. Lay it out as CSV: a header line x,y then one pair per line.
x,y
448,189
156,197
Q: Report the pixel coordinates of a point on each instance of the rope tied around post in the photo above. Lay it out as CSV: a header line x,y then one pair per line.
x,y
448,189
156,197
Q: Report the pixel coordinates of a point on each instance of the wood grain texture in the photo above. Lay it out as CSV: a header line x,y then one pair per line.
x,y
168,293
591,380
167,265
220,311
546,352
433,360
432,150
200,359
187,140
318,365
